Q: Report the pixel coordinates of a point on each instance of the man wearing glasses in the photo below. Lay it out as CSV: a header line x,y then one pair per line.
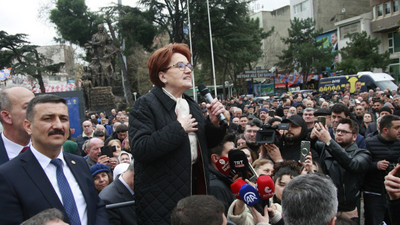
x,y
344,162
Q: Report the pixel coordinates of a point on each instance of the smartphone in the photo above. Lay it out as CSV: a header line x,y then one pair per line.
x,y
322,119
304,150
252,174
108,150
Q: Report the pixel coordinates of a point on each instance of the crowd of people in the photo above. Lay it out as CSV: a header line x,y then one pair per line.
x,y
165,162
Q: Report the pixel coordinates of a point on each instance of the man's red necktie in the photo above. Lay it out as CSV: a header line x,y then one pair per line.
x,y
24,149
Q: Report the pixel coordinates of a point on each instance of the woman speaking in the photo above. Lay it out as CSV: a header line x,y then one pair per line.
x,y
170,137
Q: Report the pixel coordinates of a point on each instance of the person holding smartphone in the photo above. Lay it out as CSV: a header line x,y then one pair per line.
x,y
344,162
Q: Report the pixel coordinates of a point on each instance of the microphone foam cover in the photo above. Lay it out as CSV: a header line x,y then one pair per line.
x,y
223,165
249,195
265,186
236,186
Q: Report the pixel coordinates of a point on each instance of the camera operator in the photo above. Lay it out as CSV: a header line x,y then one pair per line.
x,y
385,151
250,133
288,147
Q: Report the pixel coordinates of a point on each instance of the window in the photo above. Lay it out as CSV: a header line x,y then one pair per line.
x,y
387,7
395,5
380,10
394,69
394,42
298,8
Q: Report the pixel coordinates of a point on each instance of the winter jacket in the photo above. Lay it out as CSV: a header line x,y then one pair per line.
x,y
347,168
380,149
161,150
220,187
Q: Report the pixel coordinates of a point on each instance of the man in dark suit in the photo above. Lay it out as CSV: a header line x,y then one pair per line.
x,y
44,177
14,138
121,190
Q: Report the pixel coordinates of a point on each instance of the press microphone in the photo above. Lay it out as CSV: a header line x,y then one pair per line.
x,y
223,166
265,186
266,189
249,195
236,186
238,162
206,94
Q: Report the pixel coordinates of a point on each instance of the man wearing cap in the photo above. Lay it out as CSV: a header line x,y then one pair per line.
x,y
263,115
288,148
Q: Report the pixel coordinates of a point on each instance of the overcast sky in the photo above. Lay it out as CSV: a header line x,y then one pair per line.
x,y
23,16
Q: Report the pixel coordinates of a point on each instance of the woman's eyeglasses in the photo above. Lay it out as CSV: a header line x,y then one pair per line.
x,y
181,66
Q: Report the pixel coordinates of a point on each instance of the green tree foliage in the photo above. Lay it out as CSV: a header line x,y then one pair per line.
x,y
362,54
16,52
77,24
134,25
236,37
304,54
169,15
74,22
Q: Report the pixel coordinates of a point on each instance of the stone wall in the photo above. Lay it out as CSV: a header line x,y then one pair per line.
x,y
101,99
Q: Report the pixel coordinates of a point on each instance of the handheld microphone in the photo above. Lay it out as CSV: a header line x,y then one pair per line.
x,y
236,186
249,195
265,187
206,94
223,166
239,163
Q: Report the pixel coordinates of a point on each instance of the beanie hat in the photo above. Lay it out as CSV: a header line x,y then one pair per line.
x,y
94,170
263,110
386,109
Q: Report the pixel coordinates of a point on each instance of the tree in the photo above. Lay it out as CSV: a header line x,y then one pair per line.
x,y
73,21
16,52
362,54
133,25
170,16
236,37
304,53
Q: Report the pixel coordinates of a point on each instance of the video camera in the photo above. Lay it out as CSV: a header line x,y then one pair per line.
x,y
267,133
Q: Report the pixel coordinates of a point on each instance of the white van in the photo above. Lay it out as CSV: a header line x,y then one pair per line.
x,y
368,81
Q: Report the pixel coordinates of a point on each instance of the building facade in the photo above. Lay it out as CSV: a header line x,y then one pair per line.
x,y
385,26
326,13
273,45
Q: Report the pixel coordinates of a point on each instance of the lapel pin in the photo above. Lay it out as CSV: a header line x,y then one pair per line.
x,y
73,162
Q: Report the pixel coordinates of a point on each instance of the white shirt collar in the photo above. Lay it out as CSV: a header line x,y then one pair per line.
x,y
43,160
125,184
13,149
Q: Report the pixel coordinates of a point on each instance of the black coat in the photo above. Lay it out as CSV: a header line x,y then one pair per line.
x,y
380,149
347,168
116,192
161,150
220,187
